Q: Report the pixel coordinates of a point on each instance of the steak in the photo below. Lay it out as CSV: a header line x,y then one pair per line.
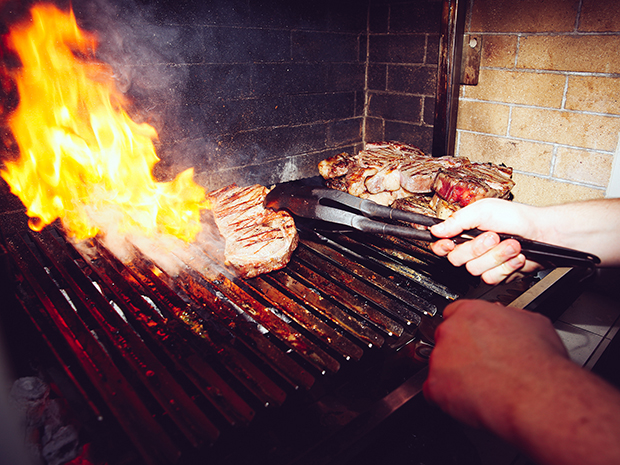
x,y
460,186
336,166
388,172
258,240
384,171
418,203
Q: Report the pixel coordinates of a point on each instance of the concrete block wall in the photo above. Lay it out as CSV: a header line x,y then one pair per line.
x,y
548,102
403,51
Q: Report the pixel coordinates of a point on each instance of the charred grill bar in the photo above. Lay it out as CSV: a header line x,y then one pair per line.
x,y
295,366
182,362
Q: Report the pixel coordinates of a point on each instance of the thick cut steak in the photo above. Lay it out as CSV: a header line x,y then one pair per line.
x,y
384,171
258,240
467,183
417,203
402,176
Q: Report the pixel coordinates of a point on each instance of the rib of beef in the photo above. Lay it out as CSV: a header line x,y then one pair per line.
x,y
392,173
417,203
384,171
469,182
258,240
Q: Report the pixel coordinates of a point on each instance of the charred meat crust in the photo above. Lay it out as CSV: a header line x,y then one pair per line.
x,y
388,172
258,240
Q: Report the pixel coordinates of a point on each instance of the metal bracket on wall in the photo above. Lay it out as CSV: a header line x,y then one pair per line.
x,y
470,61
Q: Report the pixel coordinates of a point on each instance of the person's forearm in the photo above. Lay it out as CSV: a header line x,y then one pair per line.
x,y
574,418
592,226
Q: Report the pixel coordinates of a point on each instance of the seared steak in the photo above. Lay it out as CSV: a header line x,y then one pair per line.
x,y
418,203
388,172
384,171
467,183
336,166
258,240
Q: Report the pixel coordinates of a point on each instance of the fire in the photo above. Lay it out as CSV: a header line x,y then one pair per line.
x,y
82,158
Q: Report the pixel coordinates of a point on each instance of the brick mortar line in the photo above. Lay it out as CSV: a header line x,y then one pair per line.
x,y
578,16
564,181
553,161
548,33
553,71
554,144
536,107
564,93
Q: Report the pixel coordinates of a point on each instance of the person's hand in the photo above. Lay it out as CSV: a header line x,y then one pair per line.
x,y
486,256
506,370
486,358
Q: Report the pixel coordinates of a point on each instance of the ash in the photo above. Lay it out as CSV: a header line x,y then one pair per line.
x,y
49,436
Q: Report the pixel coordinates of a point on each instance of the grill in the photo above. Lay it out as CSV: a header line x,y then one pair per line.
x,y
299,363
293,367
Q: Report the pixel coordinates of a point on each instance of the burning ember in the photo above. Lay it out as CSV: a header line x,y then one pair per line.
x,y
82,158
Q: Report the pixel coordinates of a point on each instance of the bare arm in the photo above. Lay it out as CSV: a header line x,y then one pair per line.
x,y
506,370
591,226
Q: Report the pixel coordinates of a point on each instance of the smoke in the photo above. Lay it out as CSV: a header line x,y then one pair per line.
x,y
151,63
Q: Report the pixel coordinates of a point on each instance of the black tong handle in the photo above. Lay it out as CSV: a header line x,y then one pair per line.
x,y
533,250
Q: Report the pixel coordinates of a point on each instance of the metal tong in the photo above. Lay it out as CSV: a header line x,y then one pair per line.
x,y
342,208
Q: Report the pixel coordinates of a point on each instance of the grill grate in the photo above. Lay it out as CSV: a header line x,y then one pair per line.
x,y
185,361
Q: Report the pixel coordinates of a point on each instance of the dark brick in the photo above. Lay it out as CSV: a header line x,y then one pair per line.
x,y
363,47
432,49
396,107
189,12
209,82
419,136
343,77
323,107
245,45
231,116
377,77
397,48
290,78
262,145
344,132
378,18
324,46
317,15
412,79
360,104
347,16
375,130
429,111
418,17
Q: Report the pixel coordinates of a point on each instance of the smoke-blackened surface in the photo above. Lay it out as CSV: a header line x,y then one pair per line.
x,y
261,90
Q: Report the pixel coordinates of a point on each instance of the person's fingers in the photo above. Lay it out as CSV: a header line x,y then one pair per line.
x,y
489,256
443,247
500,273
473,249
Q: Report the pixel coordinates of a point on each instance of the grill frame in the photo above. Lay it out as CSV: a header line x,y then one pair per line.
x,y
334,410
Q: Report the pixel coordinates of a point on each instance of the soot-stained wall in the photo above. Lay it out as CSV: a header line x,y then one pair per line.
x,y
261,90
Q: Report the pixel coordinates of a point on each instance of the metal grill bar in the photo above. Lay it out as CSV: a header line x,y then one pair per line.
x,y
120,397
182,357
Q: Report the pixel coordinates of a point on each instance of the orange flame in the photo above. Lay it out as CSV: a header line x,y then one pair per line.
x,y
82,158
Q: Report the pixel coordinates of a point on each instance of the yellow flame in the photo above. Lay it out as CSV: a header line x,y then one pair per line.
x,y
82,158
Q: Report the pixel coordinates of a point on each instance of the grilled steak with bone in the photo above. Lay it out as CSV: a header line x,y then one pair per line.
x,y
384,171
458,187
258,240
388,172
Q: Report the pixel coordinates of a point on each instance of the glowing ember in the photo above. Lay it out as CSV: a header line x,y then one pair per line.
x,y
82,158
